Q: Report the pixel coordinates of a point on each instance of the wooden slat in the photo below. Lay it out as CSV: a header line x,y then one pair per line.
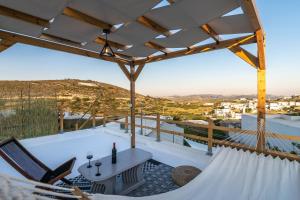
x,y
70,12
196,137
158,47
201,49
5,44
101,41
55,46
153,25
59,39
23,16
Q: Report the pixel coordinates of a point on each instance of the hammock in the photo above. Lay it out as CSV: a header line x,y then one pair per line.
x,y
232,175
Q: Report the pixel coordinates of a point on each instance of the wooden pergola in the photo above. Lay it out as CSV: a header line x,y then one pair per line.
x,y
141,34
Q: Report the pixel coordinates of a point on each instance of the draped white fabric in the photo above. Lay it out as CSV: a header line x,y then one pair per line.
x,y
232,175
237,175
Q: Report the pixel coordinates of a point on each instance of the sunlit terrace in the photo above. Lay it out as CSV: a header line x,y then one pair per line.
x,y
131,154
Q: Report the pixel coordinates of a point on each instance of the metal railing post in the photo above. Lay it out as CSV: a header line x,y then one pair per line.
x,y
158,127
104,120
142,122
61,119
126,123
93,117
210,137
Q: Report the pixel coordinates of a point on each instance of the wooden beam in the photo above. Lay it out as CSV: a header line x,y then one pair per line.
x,y
101,41
250,10
200,49
56,46
70,12
261,48
153,25
245,55
132,104
208,30
237,50
5,44
23,16
125,70
138,71
158,47
261,93
59,39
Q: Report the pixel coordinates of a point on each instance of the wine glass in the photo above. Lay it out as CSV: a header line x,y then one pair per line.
x,y
98,164
89,156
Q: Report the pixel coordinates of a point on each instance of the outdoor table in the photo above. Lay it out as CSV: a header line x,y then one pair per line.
x,y
129,166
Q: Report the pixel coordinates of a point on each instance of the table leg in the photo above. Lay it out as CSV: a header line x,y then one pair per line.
x,y
132,179
104,187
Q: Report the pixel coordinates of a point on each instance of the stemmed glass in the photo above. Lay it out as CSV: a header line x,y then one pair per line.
x,y
89,156
98,164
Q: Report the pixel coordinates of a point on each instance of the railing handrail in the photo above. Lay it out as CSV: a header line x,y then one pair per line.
x,y
214,141
227,129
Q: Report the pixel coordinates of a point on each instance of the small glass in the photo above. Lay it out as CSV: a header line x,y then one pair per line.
x,y
98,164
89,156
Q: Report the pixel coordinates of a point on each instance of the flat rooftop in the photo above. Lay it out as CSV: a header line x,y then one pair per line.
x,y
55,149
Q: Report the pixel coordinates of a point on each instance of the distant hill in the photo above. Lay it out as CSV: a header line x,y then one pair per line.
x,y
67,88
76,95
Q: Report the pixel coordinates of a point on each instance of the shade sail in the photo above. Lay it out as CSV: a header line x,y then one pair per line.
x,y
134,23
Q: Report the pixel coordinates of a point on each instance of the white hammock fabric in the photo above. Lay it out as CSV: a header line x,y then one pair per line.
x,y
232,175
236,175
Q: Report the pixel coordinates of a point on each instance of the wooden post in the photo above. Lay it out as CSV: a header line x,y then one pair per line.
x,y
210,137
61,119
126,123
93,117
261,92
142,122
132,104
76,126
132,76
158,127
104,119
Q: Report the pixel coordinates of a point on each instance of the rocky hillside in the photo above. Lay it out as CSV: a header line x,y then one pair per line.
x,y
67,88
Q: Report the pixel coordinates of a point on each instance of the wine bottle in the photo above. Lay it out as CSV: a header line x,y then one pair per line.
x,y
114,154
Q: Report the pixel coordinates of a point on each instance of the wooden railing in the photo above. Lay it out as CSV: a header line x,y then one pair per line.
x,y
211,141
81,122
208,138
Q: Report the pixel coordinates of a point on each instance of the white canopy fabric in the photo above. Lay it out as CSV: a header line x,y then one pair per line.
x,y
232,175
186,15
236,175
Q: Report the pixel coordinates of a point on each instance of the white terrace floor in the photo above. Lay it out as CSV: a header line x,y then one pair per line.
x,y
56,149
229,175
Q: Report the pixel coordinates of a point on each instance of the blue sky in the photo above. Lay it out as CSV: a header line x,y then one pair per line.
x,y
218,72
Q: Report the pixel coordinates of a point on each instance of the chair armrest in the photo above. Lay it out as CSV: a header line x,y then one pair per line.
x,y
60,172
65,167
